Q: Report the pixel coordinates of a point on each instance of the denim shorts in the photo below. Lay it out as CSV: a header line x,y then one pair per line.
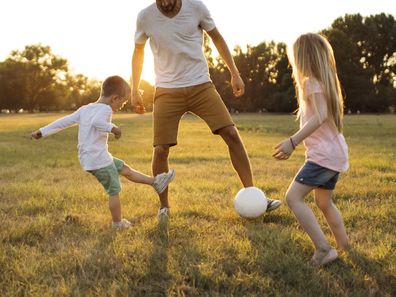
x,y
314,175
109,176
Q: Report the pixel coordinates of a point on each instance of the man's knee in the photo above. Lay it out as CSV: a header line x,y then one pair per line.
x,y
161,152
230,134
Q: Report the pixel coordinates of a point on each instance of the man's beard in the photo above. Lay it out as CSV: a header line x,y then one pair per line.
x,y
169,7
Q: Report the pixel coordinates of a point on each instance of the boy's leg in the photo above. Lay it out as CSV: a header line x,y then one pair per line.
x,y
238,154
115,210
136,176
160,165
115,207
333,216
295,199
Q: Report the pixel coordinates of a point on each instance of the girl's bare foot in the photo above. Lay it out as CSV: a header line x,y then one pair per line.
x,y
322,258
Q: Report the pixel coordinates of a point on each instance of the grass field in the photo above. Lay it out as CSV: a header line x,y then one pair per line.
x,y
56,240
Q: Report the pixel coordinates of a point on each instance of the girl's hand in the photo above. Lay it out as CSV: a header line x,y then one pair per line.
x,y
283,150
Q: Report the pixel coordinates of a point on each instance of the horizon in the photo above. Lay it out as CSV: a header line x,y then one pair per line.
x,y
99,42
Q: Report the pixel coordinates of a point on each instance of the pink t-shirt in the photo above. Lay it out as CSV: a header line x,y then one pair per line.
x,y
325,146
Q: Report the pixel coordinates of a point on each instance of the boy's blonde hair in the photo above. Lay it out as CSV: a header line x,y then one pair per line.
x,y
312,57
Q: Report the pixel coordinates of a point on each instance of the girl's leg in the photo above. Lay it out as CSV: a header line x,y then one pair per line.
x,y
136,176
295,199
115,207
333,216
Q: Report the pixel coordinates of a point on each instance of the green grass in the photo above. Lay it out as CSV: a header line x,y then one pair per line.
x,y
56,240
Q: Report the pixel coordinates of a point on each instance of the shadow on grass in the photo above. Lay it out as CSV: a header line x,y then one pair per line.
x,y
157,279
370,274
285,262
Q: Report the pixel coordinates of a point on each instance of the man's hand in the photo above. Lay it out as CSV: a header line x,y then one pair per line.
x,y
116,131
283,150
137,102
36,134
238,86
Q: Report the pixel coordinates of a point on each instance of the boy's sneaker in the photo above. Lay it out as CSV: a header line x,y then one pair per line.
x,y
162,180
163,213
123,224
273,204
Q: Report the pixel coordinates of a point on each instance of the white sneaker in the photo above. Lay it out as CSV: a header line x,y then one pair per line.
x,y
163,213
273,204
162,180
123,224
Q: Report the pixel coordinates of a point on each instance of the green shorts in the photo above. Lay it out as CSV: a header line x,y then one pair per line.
x,y
109,176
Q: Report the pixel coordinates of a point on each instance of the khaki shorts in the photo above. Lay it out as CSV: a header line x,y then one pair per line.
x,y
170,104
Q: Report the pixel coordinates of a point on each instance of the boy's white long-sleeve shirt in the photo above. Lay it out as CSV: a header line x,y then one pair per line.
x,y
94,122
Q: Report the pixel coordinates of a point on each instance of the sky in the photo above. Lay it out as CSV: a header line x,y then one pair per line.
x,y
96,36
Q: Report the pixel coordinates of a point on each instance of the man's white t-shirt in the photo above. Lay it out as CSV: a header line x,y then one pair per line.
x,y
176,43
94,122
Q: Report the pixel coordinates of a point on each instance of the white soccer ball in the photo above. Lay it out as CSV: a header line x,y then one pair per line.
x,y
250,202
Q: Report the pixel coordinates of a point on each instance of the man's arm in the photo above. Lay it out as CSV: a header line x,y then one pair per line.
x,y
237,84
137,67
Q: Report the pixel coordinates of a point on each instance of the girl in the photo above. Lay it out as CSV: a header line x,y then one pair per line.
x,y
320,112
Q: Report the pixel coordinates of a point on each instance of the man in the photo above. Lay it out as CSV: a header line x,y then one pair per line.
x,y
175,29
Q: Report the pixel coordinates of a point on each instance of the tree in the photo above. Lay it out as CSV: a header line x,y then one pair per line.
x,y
364,48
81,91
268,84
40,72
283,97
365,51
11,86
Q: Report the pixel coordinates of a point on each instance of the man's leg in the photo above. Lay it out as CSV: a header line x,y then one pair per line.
x,y
160,165
240,160
238,154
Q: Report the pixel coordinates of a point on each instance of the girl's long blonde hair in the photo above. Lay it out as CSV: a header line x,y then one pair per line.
x,y
313,57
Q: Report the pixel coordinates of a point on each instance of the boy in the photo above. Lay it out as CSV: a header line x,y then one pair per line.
x,y
95,124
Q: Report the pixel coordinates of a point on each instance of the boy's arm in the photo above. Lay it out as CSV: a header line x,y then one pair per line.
x,y
284,149
116,131
37,134
237,83
57,125
102,121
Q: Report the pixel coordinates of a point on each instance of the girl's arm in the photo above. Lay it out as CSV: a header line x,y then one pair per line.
x,y
58,125
285,148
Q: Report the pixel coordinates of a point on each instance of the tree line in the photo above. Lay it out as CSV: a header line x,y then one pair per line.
x,y
365,50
